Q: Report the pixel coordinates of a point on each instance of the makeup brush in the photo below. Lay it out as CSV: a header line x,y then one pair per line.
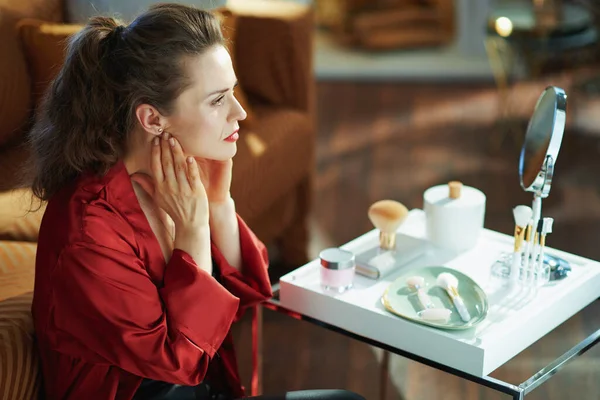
x,y
449,282
546,229
387,216
522,215
532,262
527,250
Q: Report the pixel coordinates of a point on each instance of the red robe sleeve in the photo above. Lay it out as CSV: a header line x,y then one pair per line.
x,y
251,285
107,310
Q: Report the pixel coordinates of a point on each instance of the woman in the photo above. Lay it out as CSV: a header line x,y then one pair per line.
x,y
143,263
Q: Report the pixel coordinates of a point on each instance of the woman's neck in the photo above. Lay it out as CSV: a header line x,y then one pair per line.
x,y
137,156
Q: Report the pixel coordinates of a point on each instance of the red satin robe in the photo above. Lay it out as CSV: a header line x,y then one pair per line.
x,y
108,310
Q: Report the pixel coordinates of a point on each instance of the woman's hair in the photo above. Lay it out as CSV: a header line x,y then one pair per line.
x,y
109,70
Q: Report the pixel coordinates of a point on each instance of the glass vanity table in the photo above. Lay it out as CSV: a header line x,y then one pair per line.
x,y
515,322
517,316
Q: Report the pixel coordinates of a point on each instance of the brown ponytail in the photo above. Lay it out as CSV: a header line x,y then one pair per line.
x,y
109,70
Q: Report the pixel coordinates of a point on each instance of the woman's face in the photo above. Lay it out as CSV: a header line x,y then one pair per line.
x,y
206,115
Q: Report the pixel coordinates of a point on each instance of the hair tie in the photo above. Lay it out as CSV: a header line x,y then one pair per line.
x,y
114,39
118,31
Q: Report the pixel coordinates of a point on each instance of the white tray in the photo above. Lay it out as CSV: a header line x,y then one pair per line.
x,y
515,319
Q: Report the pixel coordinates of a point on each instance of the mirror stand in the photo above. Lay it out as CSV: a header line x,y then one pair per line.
x,y
536,206
546,174
528,263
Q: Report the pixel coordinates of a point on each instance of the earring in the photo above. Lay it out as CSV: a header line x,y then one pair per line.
x,y
160,130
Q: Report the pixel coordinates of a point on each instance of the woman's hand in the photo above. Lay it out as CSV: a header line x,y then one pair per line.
x,y
216,178
224,229
177,187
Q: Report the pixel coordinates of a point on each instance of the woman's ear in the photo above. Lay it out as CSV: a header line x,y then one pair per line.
x,y
150,119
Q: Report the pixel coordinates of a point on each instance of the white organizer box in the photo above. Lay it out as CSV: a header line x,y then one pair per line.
x,y
515,319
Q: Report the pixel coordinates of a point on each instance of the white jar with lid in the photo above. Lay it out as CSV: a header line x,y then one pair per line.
x,y
337,269
454,215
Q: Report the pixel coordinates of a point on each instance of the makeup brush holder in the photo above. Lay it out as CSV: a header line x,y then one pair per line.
x,y
531,273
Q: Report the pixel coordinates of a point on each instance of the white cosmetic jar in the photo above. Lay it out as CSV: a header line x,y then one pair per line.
x,y
454,221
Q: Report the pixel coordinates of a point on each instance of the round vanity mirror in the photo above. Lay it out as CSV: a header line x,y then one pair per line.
x,y
542,142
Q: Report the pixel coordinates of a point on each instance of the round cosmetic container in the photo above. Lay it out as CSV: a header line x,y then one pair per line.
x,y
337,269
454,215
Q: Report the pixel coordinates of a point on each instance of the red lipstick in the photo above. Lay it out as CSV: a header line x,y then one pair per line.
x,y
233,137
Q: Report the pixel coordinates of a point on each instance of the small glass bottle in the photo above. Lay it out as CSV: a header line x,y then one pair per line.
x,y
337,269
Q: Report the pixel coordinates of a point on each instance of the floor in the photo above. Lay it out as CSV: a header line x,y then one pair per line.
x,y
394,141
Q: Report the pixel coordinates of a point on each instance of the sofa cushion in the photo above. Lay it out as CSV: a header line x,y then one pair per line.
x,y
14,160
271,159
17,268
20,216
275,52
44,44
44,47
229,26
14,80
20,372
